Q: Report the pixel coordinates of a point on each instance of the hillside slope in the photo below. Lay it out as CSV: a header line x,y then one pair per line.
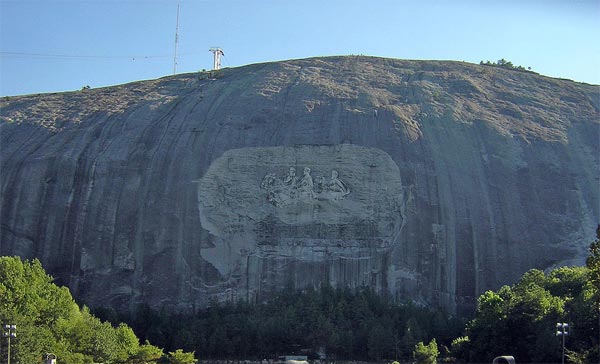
x,y
431,181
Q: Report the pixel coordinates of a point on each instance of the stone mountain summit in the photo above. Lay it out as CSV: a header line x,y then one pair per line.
x,y
426,180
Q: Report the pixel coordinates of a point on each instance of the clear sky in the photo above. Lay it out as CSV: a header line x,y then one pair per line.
x,y
59,45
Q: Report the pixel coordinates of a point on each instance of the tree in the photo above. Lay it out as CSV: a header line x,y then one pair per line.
x,y
490,324
34,304
412,334
426,354
128,343
520,320
379,341
181,357
503,63
593,265
49,320
459,347
147,354
516,320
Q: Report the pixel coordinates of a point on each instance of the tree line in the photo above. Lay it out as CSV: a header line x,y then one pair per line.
x,y
345,324
518,320
360,325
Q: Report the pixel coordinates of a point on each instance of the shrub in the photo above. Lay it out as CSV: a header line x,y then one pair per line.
x,y
426,354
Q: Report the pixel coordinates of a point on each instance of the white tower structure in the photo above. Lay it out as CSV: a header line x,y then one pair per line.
x,y
217,53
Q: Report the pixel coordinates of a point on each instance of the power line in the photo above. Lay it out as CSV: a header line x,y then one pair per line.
x,y
75,56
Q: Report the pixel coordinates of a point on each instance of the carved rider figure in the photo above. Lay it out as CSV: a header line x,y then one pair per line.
x,y
337,186
291,178
292,189
305,186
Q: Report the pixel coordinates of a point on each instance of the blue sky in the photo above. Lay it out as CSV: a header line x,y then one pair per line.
x,y
60,45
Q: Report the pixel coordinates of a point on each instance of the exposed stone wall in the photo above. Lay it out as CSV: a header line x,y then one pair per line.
x,y
270,228
451,179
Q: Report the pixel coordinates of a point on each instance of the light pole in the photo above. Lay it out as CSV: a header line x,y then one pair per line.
x,y
10,331
561,330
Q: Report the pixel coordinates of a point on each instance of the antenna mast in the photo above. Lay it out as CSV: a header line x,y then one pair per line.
x,y
217,53
176,39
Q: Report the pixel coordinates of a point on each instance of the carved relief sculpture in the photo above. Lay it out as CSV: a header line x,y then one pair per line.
x,y
337,188
291,189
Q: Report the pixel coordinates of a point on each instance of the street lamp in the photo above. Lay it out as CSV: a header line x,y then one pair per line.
x,y
562,328
10,331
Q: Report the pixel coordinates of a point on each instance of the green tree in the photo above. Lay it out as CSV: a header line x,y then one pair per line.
x,y
505,64
413,333
520,320
516,320
49,320
426,354
593,262
380,341
593,288
459,347
147,354
490,322
105,344
34,304
128,344
180,357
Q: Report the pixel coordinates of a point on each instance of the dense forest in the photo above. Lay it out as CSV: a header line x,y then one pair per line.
x,y
518,320
344,324
360,325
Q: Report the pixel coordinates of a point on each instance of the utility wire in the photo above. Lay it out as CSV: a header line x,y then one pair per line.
x,y
74,56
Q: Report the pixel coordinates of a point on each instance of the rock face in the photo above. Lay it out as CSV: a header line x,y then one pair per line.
x,y
429,181
304,230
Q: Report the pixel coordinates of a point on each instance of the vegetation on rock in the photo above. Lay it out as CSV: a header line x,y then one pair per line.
x,y
502,63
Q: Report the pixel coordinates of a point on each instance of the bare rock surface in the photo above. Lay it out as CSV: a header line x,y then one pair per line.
x,y
429,181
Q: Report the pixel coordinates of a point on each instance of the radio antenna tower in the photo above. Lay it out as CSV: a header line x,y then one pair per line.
x,y
176,39
217,53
